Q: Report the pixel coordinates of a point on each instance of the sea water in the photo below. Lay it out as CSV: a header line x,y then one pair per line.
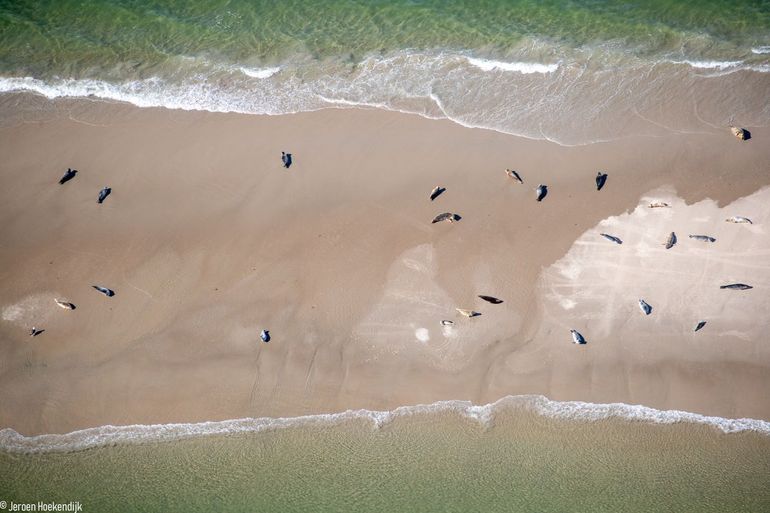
x,y
570,71
520,454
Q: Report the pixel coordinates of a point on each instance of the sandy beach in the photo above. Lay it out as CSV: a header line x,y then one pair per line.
x,y
206,240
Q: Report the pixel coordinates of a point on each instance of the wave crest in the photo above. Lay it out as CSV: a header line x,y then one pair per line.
x,y
13,442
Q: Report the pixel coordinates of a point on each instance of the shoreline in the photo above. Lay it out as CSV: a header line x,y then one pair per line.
x,y
207,240
568,411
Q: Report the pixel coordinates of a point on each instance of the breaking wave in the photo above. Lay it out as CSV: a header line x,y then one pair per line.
x,y
13,442
576,98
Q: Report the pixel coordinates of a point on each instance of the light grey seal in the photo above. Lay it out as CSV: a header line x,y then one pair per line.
x,y
468,313
104,290
513,174
738,220
446,216
612,238
577,338
646,308
736,286
65,304
670,241
542,192
601,179
703,238
447,323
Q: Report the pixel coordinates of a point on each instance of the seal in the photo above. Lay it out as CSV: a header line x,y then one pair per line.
x,y
446,216
468,313
104,290
703,238
265,336
436,192
103,194
601,179
699,326
513,174
670,241
646,308
736,286
447,323
491,299
738,220
286,159
612,238
69,175
64,304
577,338
658,204
542,192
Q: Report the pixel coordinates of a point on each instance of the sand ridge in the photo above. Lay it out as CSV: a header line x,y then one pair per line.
x,y
206,240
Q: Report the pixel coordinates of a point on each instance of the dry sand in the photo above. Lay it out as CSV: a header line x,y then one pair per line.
x,y
206,240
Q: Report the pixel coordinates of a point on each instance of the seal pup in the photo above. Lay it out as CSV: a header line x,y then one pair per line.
x,y
64,304
738,220
468,313
69,175
104,290
577,338
103,194
35,332
736,286
513,174
265,336
699,326
447,323
491,299
646,308
658,204
670,241
436,192
542,191
446,216
612,238
703,238
286,159
740,133
601,179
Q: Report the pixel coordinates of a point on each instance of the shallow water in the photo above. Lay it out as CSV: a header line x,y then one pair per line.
x,y
570,71
440,461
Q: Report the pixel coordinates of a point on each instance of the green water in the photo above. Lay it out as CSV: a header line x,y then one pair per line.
x,y
421,463
82,38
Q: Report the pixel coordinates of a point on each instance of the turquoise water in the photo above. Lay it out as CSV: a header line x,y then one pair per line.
x,y
441,461
524,67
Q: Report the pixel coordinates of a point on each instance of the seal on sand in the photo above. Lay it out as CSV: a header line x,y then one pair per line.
x,y
601,179
577,338
446,216
513,174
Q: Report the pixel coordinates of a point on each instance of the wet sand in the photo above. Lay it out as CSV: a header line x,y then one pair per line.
x,y
206,239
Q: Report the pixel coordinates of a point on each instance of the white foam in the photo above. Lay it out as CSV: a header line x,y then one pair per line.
x,y
519,67
760,50
720,65
259,72
13,442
